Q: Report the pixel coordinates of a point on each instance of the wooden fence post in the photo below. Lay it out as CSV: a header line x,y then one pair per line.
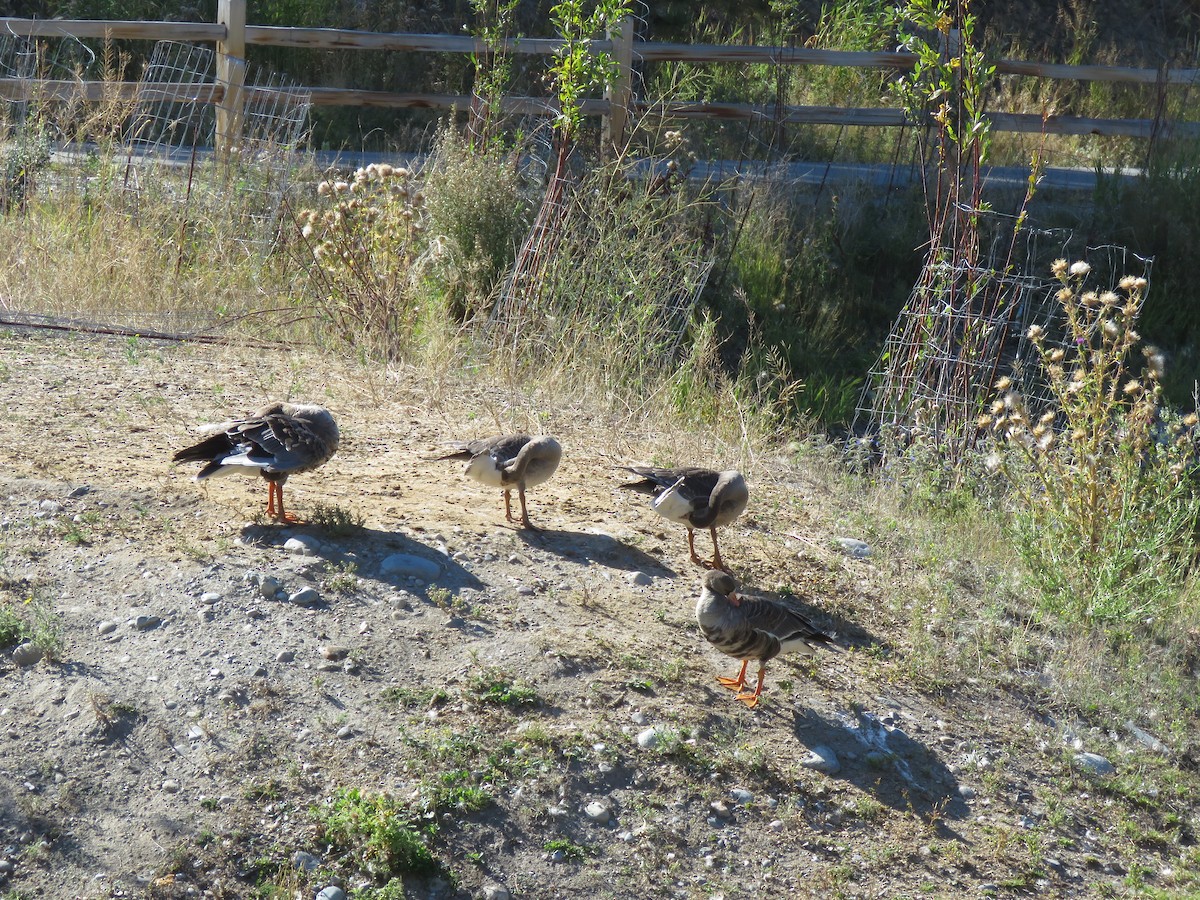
x,y
231,74
618,91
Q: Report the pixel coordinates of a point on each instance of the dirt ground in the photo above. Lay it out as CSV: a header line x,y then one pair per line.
x,y
180,754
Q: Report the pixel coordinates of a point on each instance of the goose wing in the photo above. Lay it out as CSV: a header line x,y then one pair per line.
x,y
691,484
794,632
502,448
292,440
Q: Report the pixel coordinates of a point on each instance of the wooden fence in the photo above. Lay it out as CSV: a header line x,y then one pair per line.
x,y
232,35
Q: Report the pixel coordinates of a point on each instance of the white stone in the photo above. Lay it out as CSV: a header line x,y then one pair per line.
x,y
405,564
648,738
26,654
822,759
598,812
303,545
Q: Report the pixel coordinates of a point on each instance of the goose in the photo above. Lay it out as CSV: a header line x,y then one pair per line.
x,y
507,461
277,441
751,628
697,498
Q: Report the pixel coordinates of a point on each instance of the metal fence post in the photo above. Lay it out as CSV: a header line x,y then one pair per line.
x,y
231,74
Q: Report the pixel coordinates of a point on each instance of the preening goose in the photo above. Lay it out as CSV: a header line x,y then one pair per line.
x,y
279,440
751,628
507,461
697,498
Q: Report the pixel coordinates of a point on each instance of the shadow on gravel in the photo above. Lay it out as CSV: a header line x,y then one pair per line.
x,y
882,760
603,549
402,557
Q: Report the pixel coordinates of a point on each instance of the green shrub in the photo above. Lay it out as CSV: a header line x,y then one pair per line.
x,y
1106,512
477,215
377,831
32,620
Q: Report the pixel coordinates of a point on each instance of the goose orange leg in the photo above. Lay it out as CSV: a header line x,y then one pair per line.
x,y
735,684
508,505
751,698
524,513
692,549
716,560
276,512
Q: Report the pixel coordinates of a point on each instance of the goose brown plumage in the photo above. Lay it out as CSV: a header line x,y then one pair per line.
x,y
751,628
279,440
695,497
507,461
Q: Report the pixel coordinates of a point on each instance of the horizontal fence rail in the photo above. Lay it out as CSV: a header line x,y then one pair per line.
x,y
231,35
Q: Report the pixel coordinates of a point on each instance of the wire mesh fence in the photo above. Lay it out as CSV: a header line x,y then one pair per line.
x,y
174,127
962,328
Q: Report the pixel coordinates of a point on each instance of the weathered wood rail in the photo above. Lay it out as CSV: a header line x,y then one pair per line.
x,y
232,35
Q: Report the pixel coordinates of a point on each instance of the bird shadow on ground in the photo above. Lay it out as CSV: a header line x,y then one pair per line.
x,y
603,549
332,546
883,761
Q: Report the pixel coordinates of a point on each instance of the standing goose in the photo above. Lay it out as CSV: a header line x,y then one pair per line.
x,y
510,460
697,498
749,629
277,441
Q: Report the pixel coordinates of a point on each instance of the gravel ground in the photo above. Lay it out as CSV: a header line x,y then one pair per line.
x,y
220,676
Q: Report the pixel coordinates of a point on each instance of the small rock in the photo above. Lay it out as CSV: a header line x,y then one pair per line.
x,y
106,627
721,808
853,547
269,587
285,656
822,759
648,739
1146,738
742,796
334,651
345,732
1094,763
51,507
966,792
303,545
408,565
640,579
26,654
305,861
147,623
496,892
208,598
598,812
307,597
170,786
333,892
640,718
78,492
